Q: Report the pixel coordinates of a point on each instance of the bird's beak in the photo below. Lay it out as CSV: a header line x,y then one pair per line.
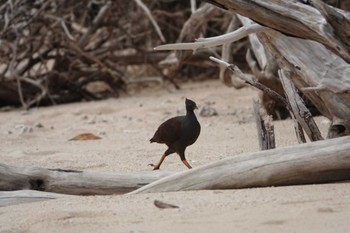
x,y
195,107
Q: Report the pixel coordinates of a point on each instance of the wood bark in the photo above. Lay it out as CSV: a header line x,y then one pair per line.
x,y
308,163
24,196
322,66
73,182
319,74
266,133
292,18
300,111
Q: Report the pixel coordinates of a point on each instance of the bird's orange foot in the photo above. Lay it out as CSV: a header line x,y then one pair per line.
x,y
155,167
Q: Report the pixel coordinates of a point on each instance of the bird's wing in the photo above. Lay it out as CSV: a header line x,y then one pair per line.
x,y
169,131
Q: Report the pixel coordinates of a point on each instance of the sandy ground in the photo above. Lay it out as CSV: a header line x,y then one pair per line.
x,y
40,138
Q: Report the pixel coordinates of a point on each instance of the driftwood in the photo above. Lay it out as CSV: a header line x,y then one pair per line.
x,y
72,181
320,69
24,196
319,74
266,133
225,76
191,29
308,163
264,67
293,18
270,92
321,66
300,111
323,75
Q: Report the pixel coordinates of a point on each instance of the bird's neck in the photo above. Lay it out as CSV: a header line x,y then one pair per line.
x,y
190,113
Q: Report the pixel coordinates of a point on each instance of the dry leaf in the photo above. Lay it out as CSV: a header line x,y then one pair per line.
x,y
85,136
163,205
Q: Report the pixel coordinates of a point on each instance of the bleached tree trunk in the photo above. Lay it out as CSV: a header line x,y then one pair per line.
x,y
316,51
309,163
297,19
73,182
24,196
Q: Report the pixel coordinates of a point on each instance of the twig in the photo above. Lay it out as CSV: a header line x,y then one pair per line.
x,y
101,14
266,135
13,70
148,13
113,73
64,26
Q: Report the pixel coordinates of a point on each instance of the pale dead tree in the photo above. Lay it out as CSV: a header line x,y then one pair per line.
x,y
308,40
308,163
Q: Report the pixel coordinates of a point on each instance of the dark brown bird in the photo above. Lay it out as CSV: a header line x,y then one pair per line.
x,y
178,133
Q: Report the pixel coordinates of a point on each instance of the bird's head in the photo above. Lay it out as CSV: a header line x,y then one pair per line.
x,y
190,105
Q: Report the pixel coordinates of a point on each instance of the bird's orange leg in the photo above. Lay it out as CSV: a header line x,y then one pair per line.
x,y
156,167
186,163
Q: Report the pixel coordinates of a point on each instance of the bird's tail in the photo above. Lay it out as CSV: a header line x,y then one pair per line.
x,y
151,140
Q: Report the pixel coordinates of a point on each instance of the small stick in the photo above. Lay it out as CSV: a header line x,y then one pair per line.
x,y
153,21
266,134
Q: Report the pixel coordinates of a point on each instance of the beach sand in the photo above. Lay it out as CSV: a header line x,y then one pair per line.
x,y
40,138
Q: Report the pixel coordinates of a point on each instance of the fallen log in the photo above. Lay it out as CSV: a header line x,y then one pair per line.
x,y
309,163
74,182
24,196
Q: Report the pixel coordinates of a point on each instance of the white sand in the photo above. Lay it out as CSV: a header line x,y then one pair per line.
x,y
126,125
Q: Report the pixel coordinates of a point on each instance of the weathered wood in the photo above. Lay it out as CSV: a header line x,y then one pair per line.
x,y
319,74
237,72
24,196
270,132
300,111
264,67
266,135
291,18
74,182
258,49
340,20
309,163
322,76
225,76
189,32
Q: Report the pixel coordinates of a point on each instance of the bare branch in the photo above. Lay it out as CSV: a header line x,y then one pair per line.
x,y
215,41
101,14
300,111
153,21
